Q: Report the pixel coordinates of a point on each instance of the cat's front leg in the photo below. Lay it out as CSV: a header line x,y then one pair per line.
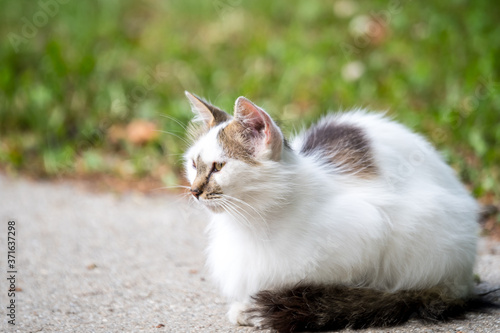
x,y
238,314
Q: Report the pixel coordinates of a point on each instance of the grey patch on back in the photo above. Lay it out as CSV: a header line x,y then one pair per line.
x,y
345,146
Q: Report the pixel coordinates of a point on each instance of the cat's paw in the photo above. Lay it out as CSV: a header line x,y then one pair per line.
x,y
238,315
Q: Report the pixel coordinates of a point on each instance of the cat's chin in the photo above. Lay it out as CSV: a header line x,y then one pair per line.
x,y
213,207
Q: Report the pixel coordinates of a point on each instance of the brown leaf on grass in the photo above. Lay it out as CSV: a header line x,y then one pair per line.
x,y
116,133
141,131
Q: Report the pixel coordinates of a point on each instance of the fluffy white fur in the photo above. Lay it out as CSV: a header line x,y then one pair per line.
x,y
412,226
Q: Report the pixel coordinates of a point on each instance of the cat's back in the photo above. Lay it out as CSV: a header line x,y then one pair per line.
x,y
340,141
422,204
369,145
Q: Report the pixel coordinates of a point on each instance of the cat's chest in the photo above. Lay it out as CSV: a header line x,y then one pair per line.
x,y
243,262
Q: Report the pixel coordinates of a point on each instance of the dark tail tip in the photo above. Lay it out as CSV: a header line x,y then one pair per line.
x,y
320,308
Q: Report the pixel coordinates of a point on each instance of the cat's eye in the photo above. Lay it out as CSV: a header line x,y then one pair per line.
x,y
194,165
218,166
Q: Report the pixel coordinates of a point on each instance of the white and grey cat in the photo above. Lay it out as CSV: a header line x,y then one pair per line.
x,y
356,222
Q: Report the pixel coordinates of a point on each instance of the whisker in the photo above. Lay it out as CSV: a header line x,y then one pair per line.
x,y
171,187
264,223
174,154
230,206
229,212
182,197
246,213
176,135
173,119
247,204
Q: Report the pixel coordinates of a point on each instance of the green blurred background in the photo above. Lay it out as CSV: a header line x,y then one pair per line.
x,y
96,87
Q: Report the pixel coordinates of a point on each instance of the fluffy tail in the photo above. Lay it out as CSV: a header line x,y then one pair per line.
x,y
319,308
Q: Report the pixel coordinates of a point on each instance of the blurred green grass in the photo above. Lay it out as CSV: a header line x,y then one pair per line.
x,y
72,71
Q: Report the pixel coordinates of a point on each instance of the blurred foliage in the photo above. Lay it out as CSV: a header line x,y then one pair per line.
x,y
74,72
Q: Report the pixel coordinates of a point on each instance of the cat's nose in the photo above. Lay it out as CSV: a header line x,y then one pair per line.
x,y
196,192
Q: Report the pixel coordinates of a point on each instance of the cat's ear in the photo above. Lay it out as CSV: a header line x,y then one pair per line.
x,y
206,112
263,132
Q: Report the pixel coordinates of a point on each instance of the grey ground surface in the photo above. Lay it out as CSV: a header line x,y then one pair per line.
x,y
102,262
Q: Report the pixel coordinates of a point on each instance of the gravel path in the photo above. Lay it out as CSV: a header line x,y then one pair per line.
x,y
102,262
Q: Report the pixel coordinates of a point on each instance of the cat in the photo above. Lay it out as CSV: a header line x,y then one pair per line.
x,y
356,222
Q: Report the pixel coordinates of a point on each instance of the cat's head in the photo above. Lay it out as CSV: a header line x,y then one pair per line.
x,y
231,155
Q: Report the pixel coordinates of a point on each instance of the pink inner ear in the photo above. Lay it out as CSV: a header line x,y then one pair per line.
x,y
250,115
260,125
267,132
255,121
